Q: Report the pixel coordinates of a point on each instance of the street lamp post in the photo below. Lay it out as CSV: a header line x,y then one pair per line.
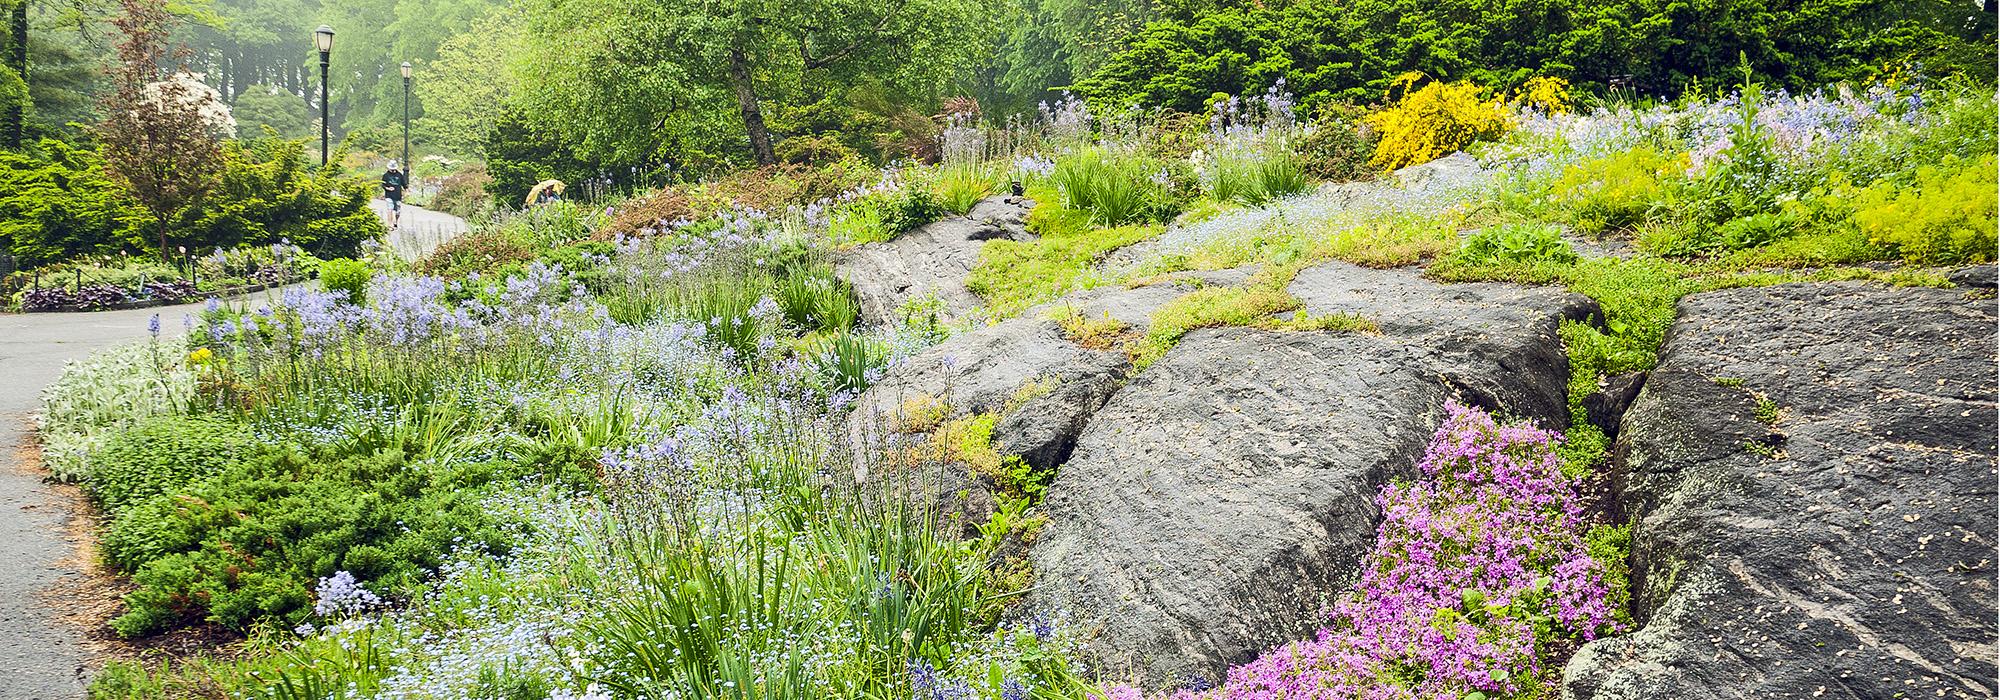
x,y
408,167
323,39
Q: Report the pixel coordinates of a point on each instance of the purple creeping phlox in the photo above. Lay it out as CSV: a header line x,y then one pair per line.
x,y
1480,581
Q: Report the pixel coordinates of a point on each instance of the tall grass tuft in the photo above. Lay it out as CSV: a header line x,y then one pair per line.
x,y
961,185
1114,187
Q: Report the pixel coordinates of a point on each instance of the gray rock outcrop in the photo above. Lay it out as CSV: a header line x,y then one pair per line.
x,y
1496,343
1811,469
934,259
1042,385
1981,276
1212,505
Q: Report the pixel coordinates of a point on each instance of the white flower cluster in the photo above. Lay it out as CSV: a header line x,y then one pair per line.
x,y
191,90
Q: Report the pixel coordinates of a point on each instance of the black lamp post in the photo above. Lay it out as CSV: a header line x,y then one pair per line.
x,y
323,39
407,166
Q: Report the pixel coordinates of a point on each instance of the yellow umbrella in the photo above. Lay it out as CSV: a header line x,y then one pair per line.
x,y
540,187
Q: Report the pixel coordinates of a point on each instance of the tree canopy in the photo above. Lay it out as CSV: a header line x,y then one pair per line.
x,y
1352,50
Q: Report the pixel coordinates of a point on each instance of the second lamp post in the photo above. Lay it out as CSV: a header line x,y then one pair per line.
x,y
408,167
323,39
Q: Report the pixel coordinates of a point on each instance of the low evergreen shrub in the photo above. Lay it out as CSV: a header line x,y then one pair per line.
x,y
163,455
249,543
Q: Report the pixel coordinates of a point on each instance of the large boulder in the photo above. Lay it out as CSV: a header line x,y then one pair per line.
x,y
1216,502
1496,343
1041,385
1811,470
932,260
1213,504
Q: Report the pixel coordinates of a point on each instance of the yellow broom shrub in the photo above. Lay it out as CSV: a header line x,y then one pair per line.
x,y
1434,120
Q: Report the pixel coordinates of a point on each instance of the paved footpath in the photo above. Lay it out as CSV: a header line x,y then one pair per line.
x,y
41,658
420,231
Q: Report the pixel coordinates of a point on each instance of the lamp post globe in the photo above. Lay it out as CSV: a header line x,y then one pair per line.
x,y
323,40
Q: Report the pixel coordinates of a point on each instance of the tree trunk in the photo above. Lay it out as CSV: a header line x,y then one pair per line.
x,y
165,257
753,117
18,31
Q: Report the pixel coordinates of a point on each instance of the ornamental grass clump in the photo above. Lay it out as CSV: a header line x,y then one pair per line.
x,y
1480,584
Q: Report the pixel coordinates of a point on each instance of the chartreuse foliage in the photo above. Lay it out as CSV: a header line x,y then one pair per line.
x,y
349,277
1945,215
1014,275
58,205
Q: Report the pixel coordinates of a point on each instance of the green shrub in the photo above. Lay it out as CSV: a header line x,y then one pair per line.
x,y
882,215
58,204
346,275
250,543
476,251
912,207
463,194
268,193
1347,51
163,455
1338,146
1946,216
555,223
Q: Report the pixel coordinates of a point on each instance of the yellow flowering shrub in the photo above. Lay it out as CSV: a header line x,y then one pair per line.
x,y
1548,94
1434,120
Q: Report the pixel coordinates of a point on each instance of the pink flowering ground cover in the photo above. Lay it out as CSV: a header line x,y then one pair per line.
x,y
1482,581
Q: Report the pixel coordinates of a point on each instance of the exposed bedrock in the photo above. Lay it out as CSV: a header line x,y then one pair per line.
x,y
1811,469
931,260
1496,343
1215,502
1041,386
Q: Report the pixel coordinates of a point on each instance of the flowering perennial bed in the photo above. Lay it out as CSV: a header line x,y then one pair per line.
x,y
1480,584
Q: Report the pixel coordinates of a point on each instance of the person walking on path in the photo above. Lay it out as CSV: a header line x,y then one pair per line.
x,y
393,183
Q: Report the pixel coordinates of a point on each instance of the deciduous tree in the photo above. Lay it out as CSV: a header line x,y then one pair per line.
x,y
158,140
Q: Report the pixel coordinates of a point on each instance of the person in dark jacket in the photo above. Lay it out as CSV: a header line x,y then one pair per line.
x,y
393,183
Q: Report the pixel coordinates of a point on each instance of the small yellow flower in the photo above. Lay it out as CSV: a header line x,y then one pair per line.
x,y
200,356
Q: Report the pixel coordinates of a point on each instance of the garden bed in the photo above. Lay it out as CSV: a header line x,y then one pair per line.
x,y
150,303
